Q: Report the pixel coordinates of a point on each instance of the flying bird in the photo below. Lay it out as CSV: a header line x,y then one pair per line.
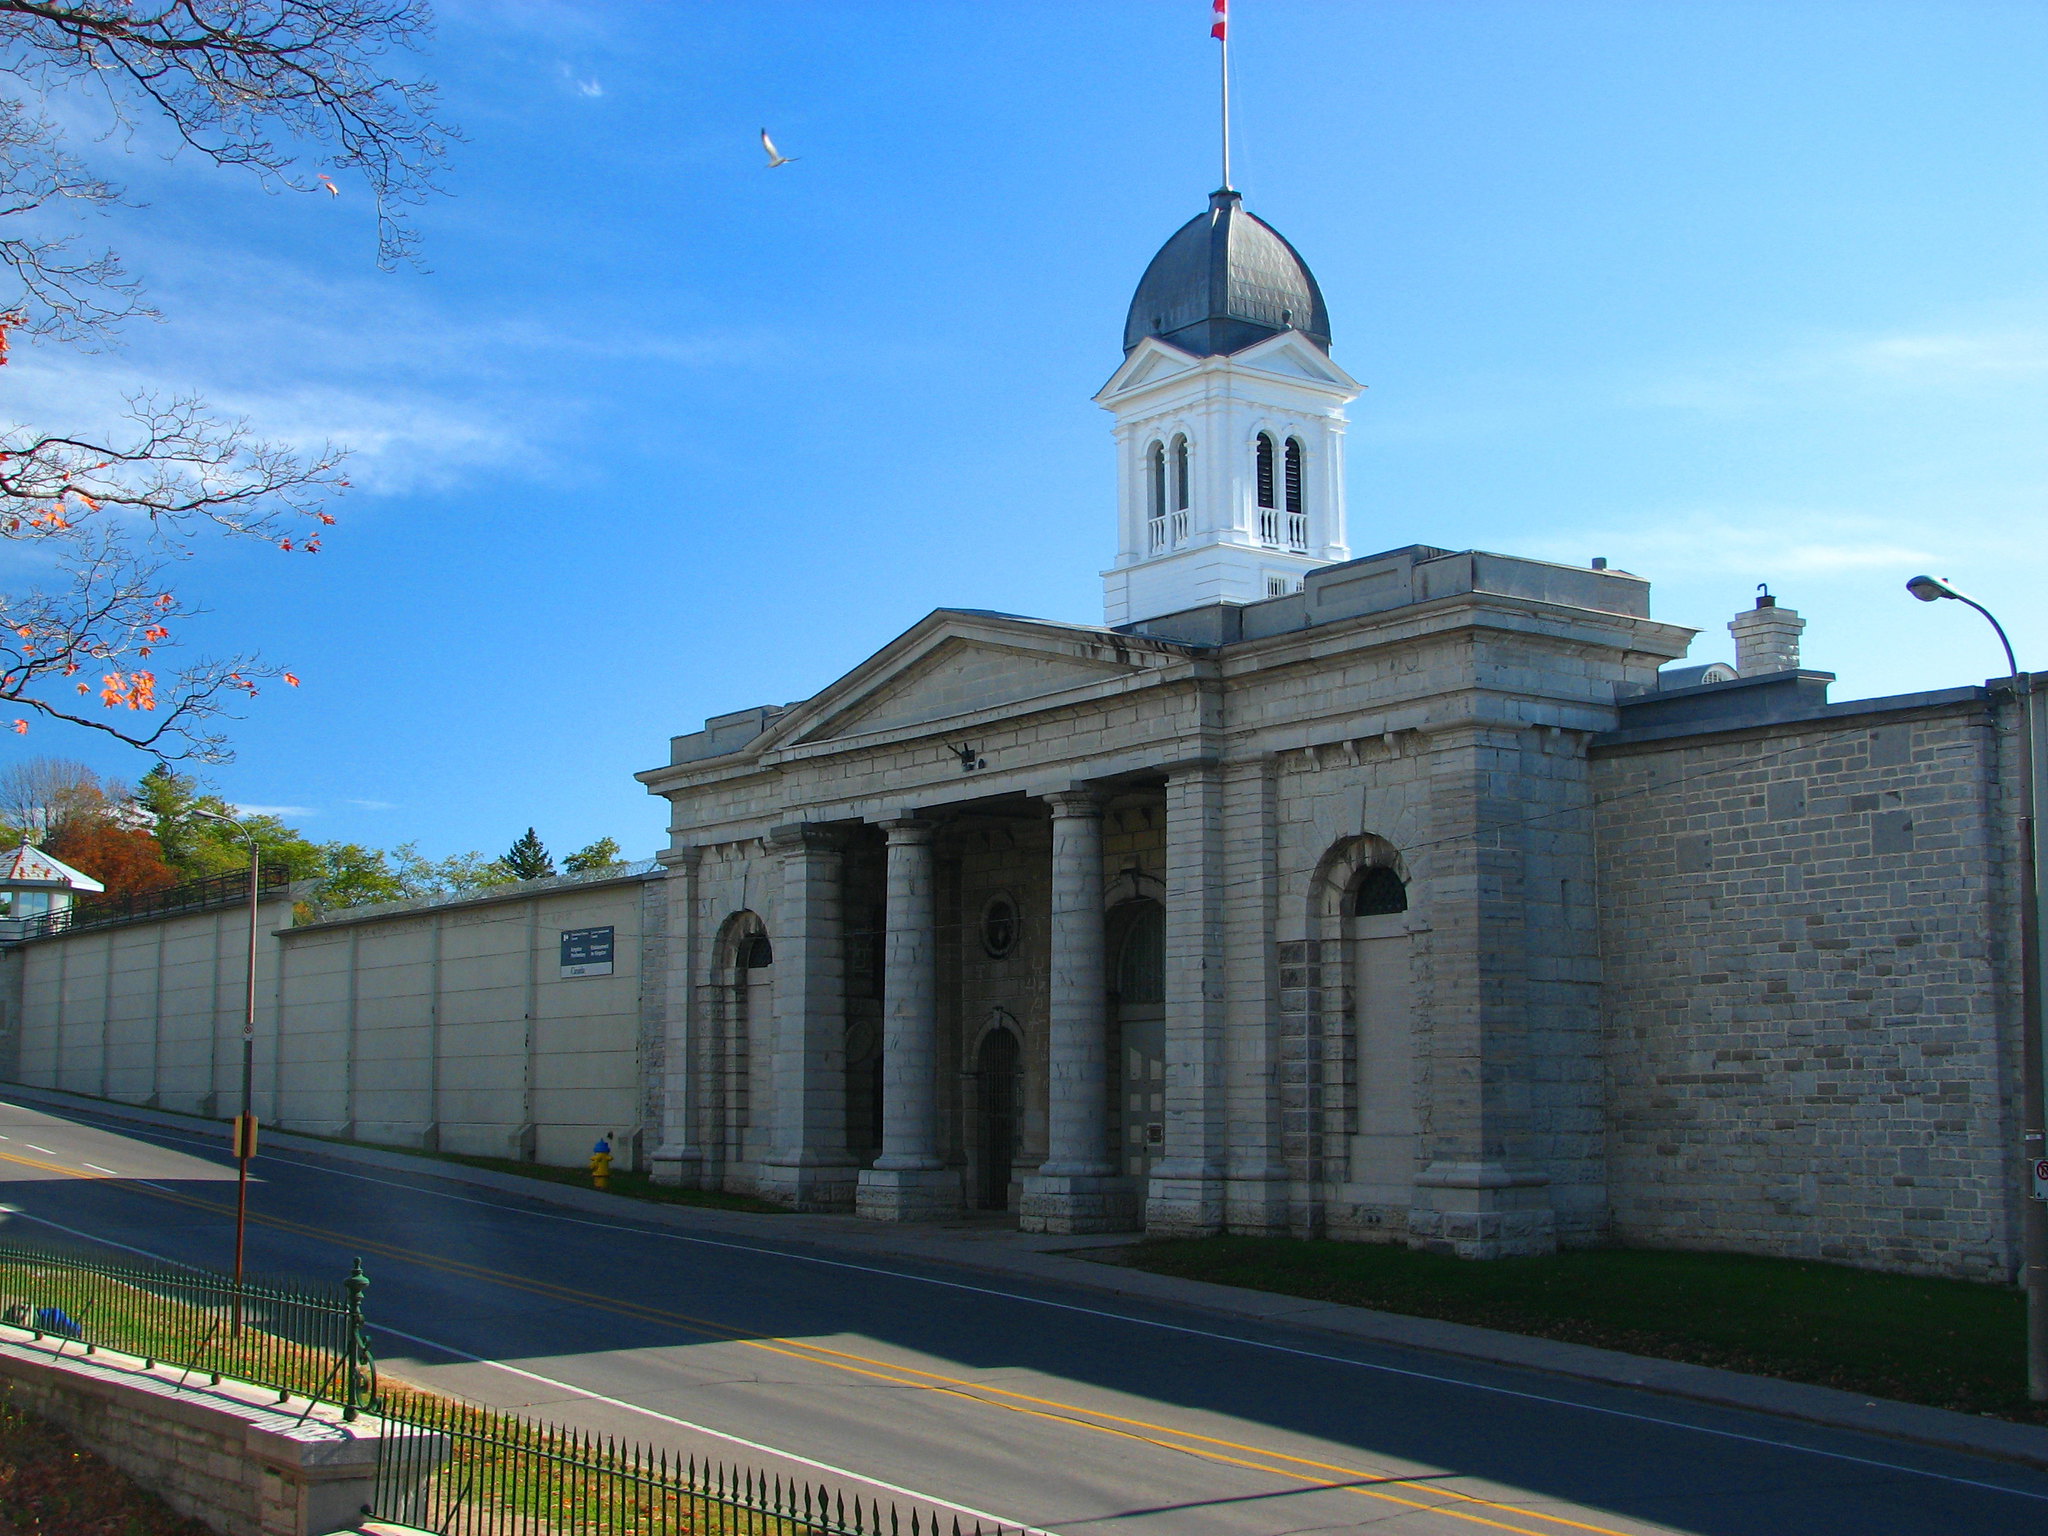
x,y
775,156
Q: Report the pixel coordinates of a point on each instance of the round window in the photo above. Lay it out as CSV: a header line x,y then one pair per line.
x,y
999,926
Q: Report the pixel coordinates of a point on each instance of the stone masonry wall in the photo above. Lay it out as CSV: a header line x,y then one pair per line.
x,y
226,1455
1807,1034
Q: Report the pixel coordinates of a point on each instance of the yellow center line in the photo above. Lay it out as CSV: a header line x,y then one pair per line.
x,y
1203,1447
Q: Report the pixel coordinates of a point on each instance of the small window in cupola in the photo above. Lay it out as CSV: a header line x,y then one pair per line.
x,y
1264,455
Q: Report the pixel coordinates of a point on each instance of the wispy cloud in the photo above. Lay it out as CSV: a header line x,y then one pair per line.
x,y
1773,541
1922,362
276,810
373,805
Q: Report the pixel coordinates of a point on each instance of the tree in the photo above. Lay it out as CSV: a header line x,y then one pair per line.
x,y
527,859
602,854
274,87
196,846
38,794
126,860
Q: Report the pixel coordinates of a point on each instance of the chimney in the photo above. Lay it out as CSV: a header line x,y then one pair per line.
x,y
1766,637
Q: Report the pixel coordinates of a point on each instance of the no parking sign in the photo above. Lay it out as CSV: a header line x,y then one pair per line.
x,y
2041,1178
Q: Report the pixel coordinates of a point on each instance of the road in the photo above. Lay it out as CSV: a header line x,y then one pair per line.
x,y
1044,1407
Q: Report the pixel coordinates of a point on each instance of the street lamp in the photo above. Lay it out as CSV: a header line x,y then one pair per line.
x,y
245,1122
2034,1166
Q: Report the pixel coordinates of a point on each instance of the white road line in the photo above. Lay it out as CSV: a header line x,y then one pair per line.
x,y
96,1168
718,1434
34,1148
1205,1333
599,1397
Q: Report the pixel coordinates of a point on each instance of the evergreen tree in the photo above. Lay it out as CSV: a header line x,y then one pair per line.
x,y
602,854
527,859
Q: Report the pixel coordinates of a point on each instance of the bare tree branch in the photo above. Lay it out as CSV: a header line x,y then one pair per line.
x,y
278,87
249,82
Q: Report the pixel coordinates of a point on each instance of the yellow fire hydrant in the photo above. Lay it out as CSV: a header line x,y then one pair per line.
x,y
601,1164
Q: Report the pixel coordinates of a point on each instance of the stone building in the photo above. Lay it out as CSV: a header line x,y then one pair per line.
x,y
1421,897
1411,897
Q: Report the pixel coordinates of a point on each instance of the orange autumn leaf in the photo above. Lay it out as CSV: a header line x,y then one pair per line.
x,y
21,727
292,679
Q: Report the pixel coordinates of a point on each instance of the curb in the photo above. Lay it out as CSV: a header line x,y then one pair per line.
x,y
1004,1252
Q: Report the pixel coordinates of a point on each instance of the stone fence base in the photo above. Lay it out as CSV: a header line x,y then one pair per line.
x,y
229,1455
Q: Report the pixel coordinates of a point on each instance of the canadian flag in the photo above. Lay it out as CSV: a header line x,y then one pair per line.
x,y
1220,28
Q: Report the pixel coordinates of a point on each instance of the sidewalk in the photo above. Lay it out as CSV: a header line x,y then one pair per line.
x,y
997,1249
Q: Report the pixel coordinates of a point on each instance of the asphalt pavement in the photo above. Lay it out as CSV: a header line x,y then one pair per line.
x,y
1036,1404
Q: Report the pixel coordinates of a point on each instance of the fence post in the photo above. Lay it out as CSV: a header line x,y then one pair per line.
x,y
352,1394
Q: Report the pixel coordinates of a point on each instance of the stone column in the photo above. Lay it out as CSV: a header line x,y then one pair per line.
x,y
678,1159
1076,1188
910,1181
1185,1196
810,1168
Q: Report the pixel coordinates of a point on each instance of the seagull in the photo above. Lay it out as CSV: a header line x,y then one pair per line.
x,y
775,156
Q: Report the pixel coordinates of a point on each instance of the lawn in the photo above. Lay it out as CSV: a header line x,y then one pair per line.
x,y
50,1487
634,1186
1947,1343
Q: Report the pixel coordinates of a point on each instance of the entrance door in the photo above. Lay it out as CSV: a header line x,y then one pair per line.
x,y
1141,1032
1000,1107
1383,1151
754,1072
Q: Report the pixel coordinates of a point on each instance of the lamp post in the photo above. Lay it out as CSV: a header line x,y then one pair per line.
x,y
245,1122
2034,1119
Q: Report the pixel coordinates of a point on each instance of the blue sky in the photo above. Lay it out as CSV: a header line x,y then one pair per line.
x,y
1725,293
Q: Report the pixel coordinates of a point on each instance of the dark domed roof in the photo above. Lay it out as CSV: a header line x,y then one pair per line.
x,y
1224,282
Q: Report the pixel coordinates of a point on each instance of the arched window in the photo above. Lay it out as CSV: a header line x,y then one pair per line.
x,y
1381,893
1155,480
755,952
1294,457
1141,958
1265,458
1180,473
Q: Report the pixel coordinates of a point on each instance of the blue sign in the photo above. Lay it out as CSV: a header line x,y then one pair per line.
x,y
586,952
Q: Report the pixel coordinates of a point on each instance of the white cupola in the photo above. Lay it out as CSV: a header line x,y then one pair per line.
x,y
1229,424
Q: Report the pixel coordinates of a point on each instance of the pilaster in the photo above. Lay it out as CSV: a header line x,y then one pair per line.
x,y
677,1158
1481,1193
1255,1170
1186,1193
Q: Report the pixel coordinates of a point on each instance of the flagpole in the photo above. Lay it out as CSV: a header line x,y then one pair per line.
x,y
1224,40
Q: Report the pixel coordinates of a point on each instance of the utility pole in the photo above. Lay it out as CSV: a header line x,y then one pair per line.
x,y
245,1122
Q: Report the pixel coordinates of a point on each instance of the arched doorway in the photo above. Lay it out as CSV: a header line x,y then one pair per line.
x,y
1138,936
751,1067
999,1089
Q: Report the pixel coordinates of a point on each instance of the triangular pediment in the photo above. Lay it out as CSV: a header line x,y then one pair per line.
x,y
961,677
963,664
1150,361
1292,355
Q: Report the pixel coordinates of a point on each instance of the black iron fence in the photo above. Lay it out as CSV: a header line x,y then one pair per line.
x,y
460,1470
188,896
297,1339
444,1466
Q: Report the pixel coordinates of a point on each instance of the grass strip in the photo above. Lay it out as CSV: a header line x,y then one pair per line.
x,y
1945,1343
631,1186
74,1306
49,1486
